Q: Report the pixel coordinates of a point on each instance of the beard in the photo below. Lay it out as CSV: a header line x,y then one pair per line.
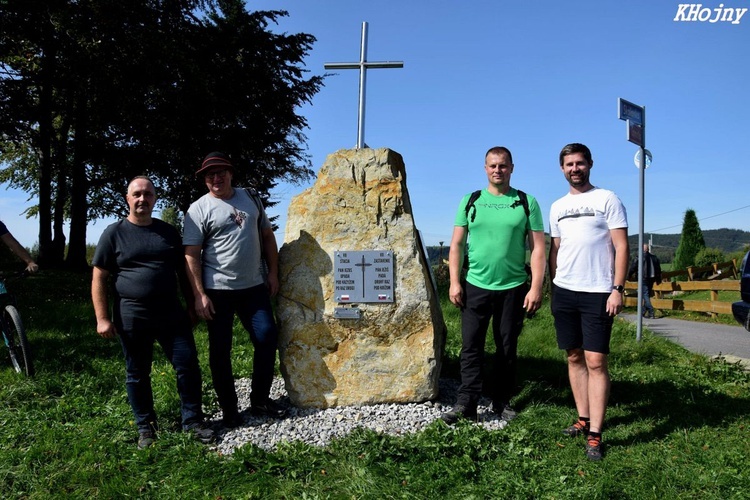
x,y
581,179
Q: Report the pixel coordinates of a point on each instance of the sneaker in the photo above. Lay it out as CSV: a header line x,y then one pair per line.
x,y
269,408
202,433
505,411
458,412
578,428
508,413
232,420
594,448
145,439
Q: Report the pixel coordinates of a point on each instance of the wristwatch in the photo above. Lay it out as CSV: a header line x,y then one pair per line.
x,y
619,288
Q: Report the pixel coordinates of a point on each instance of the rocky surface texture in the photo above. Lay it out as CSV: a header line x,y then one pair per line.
x,y
391,354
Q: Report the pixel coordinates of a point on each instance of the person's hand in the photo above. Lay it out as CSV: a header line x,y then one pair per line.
x,y
106,329
204,307
533,301
192,316
32,267
456,294
272,282
614,303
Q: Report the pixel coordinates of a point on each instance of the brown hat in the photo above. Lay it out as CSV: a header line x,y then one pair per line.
x,y
215,159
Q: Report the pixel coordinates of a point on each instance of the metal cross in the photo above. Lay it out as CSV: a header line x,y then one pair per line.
x,y
363,265
363,65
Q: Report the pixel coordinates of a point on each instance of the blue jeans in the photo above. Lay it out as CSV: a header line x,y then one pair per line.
x,y
647,307
505,308
139,327
253,307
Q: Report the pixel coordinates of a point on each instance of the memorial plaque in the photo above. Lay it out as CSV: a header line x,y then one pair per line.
x,y
363,276
347,313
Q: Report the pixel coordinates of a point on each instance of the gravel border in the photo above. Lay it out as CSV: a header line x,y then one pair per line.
x,y
318,427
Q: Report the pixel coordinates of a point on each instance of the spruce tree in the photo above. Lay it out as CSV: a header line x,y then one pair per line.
x,y
691,242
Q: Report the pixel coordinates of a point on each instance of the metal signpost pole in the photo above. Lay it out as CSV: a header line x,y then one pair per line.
x,y
635,116
641,218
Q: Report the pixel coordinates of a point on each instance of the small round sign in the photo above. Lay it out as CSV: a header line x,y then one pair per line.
x,y
637,158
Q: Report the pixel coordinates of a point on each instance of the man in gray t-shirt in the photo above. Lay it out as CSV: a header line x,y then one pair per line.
x,y
226,232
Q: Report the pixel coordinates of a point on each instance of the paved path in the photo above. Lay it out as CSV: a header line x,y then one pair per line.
x,y
732,342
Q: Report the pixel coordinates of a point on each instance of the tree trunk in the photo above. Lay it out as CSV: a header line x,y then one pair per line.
x,y
61,191
76,258
46,254
58,242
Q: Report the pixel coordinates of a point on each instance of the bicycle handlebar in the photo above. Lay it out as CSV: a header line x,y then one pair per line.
x,y
15,274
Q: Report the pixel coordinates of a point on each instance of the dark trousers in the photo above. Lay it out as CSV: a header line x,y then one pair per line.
x,y
253,307
139,327
505,309
646,292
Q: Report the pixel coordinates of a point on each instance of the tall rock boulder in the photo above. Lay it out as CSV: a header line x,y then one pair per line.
x,y
392,351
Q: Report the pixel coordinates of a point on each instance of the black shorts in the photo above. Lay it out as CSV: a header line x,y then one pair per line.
x,y
581,320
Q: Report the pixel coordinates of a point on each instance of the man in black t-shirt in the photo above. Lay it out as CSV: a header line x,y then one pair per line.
x,y
143,257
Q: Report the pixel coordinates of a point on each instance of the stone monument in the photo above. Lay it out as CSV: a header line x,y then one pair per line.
x,y
359,318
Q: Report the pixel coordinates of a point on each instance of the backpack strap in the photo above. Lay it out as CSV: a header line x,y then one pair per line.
x,y
253,195
523,200
470,204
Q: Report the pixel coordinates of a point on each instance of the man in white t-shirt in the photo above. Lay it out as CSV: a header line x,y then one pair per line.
x,y
588,263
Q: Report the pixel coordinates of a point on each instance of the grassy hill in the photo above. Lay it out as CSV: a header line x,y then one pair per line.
x,y
727,240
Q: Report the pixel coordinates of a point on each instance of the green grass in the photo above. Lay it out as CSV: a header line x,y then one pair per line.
x,y
677,427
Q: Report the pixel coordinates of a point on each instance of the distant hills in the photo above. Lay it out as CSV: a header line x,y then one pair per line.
x,y
665,245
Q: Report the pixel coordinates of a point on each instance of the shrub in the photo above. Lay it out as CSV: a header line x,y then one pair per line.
x,y
708,256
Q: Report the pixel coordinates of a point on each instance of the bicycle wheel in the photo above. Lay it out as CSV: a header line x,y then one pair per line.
x,y
18,345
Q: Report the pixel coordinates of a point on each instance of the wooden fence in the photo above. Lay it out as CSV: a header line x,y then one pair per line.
x,y
721,277
722,270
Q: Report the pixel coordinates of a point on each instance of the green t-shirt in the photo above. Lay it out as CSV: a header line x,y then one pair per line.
x,y
497,238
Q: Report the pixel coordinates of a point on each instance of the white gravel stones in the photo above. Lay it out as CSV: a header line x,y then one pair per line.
x,y
317,427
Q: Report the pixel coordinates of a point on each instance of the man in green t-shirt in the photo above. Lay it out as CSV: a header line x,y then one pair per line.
x,y
497,223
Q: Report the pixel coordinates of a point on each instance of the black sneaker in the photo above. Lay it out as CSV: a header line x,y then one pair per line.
x,y
594,448
458,412
202,433
231,420
576,429
269,408
505,411
145,439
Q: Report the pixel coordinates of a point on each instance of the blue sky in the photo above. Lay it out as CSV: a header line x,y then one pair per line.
x,y
532,77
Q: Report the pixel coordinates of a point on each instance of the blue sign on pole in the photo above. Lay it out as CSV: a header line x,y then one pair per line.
x,y
635,133
630,112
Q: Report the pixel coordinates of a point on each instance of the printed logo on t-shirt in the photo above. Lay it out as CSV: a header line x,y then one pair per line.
x,y
500,206
575,213
238,217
